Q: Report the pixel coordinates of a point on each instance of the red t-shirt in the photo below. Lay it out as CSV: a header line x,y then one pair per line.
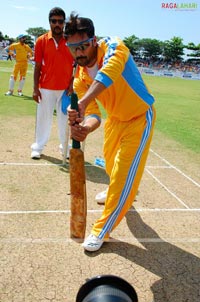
x,y
57,62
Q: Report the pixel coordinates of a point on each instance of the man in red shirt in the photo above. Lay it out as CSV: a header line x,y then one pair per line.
x,y
53,74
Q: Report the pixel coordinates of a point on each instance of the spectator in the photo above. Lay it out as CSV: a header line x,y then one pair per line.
x,y
21,52
52,76
107,72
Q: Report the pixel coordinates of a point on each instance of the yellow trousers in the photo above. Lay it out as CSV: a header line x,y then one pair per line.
x,y
21,68
126,147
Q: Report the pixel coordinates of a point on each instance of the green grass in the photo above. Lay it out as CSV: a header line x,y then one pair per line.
x,y
177,104
178,109
15,105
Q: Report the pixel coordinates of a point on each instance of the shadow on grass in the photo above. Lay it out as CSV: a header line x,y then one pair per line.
x,y
96,174
26,97
23,97
93,173
52,159
177,269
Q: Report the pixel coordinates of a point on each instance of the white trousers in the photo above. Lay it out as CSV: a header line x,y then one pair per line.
x,y
51,99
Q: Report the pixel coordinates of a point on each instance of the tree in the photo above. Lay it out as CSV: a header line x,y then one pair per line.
x,y
6,37
195,50
150,48
173,49
1,36
29,41
132,43
36,31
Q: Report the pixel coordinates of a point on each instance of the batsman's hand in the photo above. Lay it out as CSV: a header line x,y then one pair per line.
x,y
37,96
81,109
79,132
74,116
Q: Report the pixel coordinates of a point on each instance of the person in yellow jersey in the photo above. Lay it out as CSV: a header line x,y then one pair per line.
x,y
21,52
107,72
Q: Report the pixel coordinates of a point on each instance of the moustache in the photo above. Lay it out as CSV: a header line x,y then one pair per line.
x,y
82,57
57,27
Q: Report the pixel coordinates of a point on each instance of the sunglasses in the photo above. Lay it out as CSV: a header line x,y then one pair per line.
x,y
79,46
59,21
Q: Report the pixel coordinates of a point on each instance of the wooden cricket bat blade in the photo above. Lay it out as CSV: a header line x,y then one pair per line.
x,y
78,194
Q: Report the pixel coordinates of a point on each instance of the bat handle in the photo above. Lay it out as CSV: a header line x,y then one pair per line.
x,y
74,105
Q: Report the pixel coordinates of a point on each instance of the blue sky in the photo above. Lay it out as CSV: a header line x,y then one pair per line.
x,y
123,18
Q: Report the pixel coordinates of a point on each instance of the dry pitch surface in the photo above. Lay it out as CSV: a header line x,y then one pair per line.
x,y
156,247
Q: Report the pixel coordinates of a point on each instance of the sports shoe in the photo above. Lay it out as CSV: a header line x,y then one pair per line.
x,y
101,197
92,243
9,92
35,155
20,93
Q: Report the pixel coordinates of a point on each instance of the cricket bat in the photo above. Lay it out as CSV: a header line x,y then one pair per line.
x,y
77,185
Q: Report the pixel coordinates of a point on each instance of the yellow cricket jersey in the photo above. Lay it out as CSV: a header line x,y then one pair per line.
x,y
126,96
22,52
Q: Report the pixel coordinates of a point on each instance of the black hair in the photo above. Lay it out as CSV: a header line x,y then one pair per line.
x,y
56,11
80,25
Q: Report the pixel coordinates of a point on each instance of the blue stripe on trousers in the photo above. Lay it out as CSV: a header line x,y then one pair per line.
x,y
130,178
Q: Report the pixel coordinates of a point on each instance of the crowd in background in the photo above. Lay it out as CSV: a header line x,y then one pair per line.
x,y
178,66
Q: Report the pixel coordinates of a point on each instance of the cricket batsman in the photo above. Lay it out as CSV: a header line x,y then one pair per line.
x,y
107,72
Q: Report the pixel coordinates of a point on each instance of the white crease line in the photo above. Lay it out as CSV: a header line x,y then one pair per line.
x,y
31,164
171,193
179,171
165,210
36,212
97,211
41,164
113,240
67,164
159,167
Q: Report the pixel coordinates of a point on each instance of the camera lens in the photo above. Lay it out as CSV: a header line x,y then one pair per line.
x,y
106,288
106,293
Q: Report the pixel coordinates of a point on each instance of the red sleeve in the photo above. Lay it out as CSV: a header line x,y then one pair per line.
x,y
38,50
